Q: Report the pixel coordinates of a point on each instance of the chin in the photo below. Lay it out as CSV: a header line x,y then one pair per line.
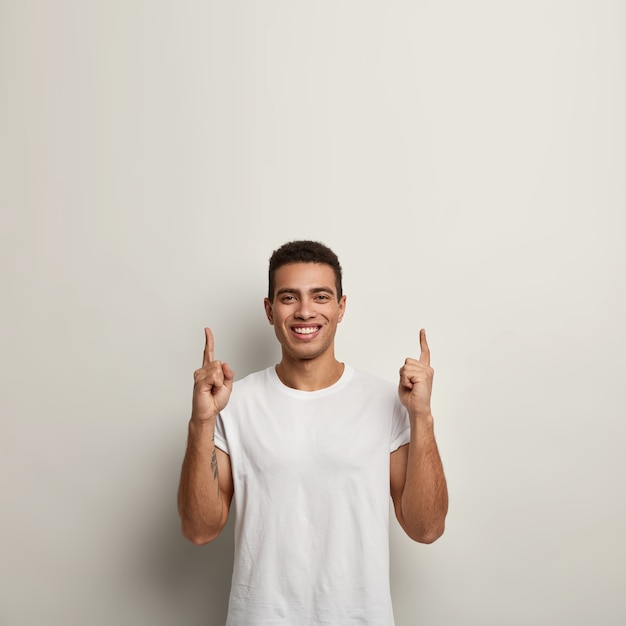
x,y
304,354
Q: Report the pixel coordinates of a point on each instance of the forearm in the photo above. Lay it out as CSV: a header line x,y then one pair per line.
x,y
201,505
424,502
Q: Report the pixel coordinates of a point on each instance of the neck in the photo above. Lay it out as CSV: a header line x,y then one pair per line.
x,y
309,374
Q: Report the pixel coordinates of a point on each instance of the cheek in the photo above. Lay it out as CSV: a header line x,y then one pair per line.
x,y
277,318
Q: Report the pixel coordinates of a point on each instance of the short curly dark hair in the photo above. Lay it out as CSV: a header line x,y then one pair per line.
x,y
304,251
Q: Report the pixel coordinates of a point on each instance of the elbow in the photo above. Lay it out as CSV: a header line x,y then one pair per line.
x,y
426,535
198,538
430,537
197,529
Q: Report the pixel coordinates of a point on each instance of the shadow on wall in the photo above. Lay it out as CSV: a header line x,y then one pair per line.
x,y
192,582
183,583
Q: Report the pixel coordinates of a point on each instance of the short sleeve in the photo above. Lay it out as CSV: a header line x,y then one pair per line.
x,y
400,428
220,434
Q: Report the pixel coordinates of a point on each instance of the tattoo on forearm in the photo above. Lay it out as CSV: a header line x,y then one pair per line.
x,y
214,468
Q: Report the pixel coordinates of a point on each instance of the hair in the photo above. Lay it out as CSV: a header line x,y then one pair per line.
x,y
304,252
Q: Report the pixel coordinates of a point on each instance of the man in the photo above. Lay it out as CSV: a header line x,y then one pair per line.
x,y
310,450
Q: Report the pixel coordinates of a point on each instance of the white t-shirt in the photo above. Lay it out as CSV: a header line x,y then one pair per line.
x,y
311,477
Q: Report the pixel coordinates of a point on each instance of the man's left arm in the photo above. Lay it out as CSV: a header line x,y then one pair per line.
x,y
418,484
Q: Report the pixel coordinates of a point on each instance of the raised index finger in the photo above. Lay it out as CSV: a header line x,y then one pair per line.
x,y
425,350
208,348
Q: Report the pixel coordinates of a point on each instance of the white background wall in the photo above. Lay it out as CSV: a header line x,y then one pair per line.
x,y
467,161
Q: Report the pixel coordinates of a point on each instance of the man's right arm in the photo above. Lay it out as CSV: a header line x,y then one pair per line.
x,y
206,486
206,483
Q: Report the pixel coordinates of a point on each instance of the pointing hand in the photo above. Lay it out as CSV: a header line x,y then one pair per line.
x,y
213,383
416,381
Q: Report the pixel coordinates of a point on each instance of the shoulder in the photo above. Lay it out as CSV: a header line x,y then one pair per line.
x,y
374,389
254,380
371,381
250,390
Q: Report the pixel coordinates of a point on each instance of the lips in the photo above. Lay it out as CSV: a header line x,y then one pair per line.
x,y
306,331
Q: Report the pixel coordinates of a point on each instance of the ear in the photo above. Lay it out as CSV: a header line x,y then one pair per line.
x,y
268,311
342,308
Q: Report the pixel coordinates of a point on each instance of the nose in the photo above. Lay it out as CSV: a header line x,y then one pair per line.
x,y
305,310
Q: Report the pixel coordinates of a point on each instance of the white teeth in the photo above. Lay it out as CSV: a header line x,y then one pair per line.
x,y
305,331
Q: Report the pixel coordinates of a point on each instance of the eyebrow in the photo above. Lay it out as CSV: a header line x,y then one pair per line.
x,y
314,290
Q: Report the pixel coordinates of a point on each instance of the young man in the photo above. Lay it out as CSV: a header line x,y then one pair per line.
x,y
310,450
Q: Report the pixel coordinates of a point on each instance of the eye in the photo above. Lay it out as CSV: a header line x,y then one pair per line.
x,y
287,298
323,297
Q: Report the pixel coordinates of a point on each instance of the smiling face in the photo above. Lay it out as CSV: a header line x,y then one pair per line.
x,y
305,310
